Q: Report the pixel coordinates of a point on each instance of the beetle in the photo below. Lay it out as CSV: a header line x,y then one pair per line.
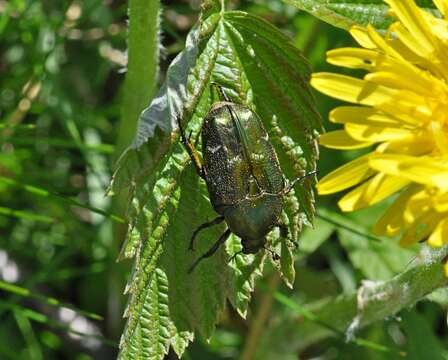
x,y
240,167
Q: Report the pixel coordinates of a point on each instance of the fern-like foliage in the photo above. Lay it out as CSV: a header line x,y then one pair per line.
x,y
259,67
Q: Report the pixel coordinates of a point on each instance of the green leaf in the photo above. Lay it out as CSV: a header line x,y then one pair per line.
x,y
344,315
24,292
440,296
257,66
346,13
157,120
287,264
52,196
246,269
286,246
311,239
377,258
26,215
422,342
150,338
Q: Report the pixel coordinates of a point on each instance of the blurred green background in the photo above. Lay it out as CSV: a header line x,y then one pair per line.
x,y
62,67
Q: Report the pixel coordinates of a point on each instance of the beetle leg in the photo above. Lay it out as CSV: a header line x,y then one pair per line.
x,y
222,239
216,221
194,156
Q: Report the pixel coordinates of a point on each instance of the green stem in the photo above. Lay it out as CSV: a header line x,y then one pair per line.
x,y
373,301
257,324
142,72
139,88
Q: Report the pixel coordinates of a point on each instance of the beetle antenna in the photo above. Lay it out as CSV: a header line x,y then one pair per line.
x,y
295,181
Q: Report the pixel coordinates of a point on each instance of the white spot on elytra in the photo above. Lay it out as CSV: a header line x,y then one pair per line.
x,y
215,149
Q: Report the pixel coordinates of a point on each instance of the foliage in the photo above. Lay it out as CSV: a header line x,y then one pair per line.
x,y
346,13
59,84
246,55
64,108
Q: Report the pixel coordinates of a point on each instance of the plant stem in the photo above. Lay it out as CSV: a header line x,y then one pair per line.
x,y
142,72
139,88
373,301
258,322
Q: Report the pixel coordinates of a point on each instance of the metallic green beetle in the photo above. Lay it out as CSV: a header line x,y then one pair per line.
x,y
243,176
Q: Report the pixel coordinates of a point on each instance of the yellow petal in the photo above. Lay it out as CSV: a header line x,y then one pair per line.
x,y
405,44
423,170
438,26
354,90
416,145
391,222
422,81
399,46
372,191
362,37
408,110
442,5
440,202
350,89
439,236
396,80
418,204
445,268
439,132
420,229
363,115
409,14
376,133
345,176
381,43
353,58
339,139
371,60
408,39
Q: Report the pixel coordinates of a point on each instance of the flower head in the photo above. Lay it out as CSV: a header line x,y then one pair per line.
x,y
402,109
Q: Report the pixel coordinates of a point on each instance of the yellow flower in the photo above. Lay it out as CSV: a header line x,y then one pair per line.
x,y
402,109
